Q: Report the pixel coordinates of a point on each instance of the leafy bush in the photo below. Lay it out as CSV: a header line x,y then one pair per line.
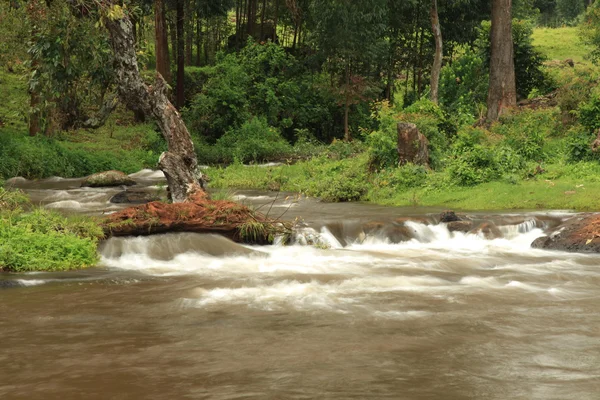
x,y
464,86
43,240
576,90
406,176
337,181
526,132
382,144
473,166
589,113
265,81
254,141
578,140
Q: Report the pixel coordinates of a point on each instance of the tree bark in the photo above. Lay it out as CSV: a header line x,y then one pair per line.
x,y
179,163
198,38
189,32
163,65
180,95
35,12
502,93
275,20
437,59
347,137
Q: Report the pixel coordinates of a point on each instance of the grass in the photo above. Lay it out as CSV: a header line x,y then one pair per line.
x,y
565,187
564,194
560,44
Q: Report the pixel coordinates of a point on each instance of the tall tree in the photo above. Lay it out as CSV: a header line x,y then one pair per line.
x,y
35,13
161,42
502,92
180,16
341,30
437,60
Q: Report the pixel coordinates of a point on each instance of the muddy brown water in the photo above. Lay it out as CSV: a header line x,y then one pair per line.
x,y
184,316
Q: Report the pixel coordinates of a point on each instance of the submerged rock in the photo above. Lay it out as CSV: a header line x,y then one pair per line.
x,y
578,234
459,226
449,216
108,178
488,230
135,196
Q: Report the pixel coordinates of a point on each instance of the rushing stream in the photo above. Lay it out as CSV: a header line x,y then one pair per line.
x,y
389,304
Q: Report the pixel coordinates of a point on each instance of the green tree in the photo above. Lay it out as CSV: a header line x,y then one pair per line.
x,y
342,29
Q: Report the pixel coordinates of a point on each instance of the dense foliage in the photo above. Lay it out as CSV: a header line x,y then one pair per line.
x,y
43,240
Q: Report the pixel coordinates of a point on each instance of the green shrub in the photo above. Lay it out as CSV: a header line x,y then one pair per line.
x,y
382,144
473,166
578,145
254,141
589,113
464,86
337,181
527,132
44,240
406,176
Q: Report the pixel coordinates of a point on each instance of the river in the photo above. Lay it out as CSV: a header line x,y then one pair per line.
x,y
362,315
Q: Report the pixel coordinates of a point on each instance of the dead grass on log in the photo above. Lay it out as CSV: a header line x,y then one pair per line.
x,y
198,214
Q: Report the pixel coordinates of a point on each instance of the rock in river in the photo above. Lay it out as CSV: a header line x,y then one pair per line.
x,y
578,234
108,178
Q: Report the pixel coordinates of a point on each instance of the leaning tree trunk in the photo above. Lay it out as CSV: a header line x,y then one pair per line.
x,y
502,92
179,163
437,60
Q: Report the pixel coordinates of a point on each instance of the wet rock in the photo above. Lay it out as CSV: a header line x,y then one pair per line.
x,y
460,226
132,196
108,178
412,145
579,234
449,216
488,230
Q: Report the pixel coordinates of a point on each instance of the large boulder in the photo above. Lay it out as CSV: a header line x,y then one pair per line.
x,y
412,145
108,178
578,234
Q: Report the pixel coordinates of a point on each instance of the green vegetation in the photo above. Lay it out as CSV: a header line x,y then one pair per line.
x,y
560,43
293,82
43,240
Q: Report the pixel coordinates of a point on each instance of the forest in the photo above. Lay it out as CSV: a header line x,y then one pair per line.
x,y
503,93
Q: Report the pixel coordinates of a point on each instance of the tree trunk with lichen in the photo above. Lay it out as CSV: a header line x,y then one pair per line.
x,y
179,163
437,59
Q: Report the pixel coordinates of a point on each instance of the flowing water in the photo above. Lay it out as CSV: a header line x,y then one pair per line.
x,y
388,305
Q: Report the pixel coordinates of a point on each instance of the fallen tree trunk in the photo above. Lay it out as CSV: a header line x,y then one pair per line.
x,y
179,163
199,215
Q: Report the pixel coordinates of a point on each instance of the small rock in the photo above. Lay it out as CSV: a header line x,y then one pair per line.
x,y
489,231
460,226
134,197
449,216
108,178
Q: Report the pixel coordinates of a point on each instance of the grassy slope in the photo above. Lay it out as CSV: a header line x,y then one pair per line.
x,y
560,43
